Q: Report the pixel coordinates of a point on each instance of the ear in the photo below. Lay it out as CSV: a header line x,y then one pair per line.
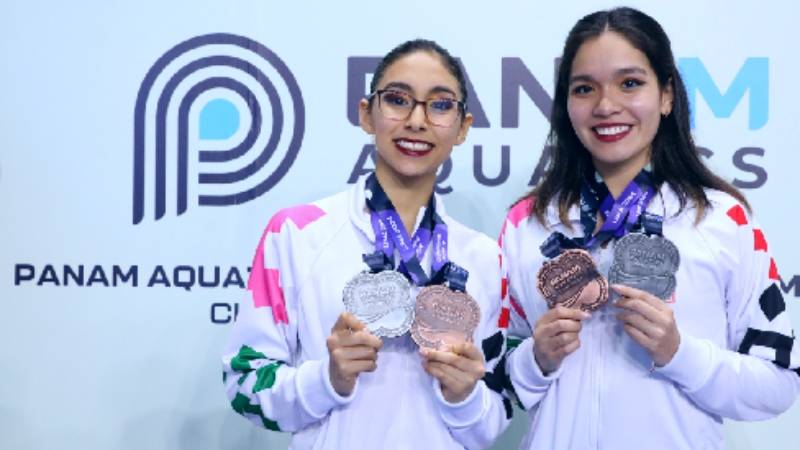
x,y
364,117
464,129
667,96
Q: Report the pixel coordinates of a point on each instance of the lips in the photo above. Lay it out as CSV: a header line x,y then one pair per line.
x,y
611,132
412,147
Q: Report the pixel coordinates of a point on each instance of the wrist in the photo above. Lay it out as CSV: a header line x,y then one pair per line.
x,y
546,369
664,358
453,397
340,385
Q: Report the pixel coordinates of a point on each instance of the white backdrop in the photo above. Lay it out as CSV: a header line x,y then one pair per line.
x,y
127,355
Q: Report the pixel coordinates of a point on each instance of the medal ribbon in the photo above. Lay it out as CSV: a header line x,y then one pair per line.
x,y
620,214
390,234
455,276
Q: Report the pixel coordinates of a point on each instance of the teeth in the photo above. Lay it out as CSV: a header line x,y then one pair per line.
x,y
606,131
414,146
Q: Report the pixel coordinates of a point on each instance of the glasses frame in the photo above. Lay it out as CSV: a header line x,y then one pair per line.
x,y
462,107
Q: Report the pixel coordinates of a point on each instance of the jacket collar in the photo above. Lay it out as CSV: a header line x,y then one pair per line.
x,y
359,214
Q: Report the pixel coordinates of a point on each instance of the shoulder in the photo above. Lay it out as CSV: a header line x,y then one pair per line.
x,y
520,228
519,212
726,213
308,220
726,228
723,212
469,239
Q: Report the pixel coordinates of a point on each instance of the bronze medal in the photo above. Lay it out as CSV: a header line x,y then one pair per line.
x,y
444,317
572,280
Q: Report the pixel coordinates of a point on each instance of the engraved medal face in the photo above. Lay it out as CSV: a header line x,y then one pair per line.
x,y
572,280
645,262
444,317
382,301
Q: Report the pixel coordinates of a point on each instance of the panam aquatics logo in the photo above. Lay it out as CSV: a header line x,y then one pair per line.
x,y
218,118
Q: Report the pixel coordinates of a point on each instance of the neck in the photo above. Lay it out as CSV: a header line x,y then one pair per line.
x,y
407,195
617,177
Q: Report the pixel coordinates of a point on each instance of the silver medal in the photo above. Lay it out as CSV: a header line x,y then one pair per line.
x,y
382,301
645,262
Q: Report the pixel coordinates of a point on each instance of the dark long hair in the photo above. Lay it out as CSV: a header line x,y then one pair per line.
x,y
674,157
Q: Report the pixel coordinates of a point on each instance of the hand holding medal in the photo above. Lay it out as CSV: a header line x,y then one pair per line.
x,y
644,261
649,321
444,323
556,335
572,287
352,350
643,274
458,369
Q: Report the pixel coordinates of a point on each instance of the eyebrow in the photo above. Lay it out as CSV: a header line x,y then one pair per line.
x,y
618,72
406,87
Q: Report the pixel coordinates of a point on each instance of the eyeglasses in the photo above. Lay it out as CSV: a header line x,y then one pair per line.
x,y
398,105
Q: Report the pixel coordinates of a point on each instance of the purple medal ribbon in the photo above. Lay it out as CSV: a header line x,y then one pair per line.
x,y
620,215
383,243
390,234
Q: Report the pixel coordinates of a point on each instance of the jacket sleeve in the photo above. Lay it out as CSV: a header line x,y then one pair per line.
x,y
479,419
525,380
757,376
262,378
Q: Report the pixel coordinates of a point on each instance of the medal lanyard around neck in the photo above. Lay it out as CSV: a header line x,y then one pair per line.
x,y
390,233
620,214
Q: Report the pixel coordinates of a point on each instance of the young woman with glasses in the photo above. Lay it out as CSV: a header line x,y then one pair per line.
x,y
646,307
323,351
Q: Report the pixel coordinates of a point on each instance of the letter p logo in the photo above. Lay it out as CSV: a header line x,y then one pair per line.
x,y
219,118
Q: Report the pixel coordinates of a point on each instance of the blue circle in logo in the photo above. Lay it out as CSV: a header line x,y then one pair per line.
x,y
219,120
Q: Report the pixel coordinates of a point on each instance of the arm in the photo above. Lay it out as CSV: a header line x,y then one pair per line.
x,y
468,391
757,377
525,378
262,380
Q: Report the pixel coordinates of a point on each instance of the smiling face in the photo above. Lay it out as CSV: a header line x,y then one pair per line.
x,y
615,103
412,149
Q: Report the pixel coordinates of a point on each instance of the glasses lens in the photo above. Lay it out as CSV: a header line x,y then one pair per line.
x,y
442,111
395,104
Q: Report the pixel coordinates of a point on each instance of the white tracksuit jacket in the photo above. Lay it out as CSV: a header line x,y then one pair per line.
x,y
276,362
731,316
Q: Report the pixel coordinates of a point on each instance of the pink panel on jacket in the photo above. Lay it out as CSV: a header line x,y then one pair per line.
x,y
520,211
301,215
265,283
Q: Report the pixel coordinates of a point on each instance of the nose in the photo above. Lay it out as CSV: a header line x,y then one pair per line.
x,y
606,105
417,119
